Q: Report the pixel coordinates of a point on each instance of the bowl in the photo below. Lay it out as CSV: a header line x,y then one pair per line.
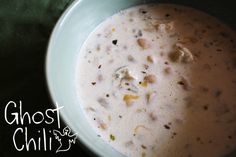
x,y
72,29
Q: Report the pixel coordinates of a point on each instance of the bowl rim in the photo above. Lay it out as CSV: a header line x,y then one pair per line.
x,y
54,32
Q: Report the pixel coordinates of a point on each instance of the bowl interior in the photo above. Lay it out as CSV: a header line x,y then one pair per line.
x,y
67,38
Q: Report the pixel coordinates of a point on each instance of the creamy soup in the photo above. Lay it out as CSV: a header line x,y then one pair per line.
x,y
160,81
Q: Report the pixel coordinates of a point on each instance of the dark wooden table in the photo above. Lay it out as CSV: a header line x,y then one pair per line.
x,y
25,27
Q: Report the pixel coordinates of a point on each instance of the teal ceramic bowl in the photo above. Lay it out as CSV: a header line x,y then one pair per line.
x,y
67,38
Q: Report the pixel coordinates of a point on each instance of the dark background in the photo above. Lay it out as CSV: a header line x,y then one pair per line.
x,y
25,28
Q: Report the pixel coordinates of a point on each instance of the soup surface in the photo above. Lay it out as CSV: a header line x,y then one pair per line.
x,y
159,80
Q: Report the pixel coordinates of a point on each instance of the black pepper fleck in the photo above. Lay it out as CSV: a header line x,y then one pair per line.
x,y
173,135
114,42
140,33
144,11
167,15
167,127
143,146
181,83
205,107
217,93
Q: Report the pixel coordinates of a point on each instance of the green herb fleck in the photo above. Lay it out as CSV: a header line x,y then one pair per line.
x,y
112,137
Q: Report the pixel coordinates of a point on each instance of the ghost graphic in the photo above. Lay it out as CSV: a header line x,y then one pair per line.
x,y
65,139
